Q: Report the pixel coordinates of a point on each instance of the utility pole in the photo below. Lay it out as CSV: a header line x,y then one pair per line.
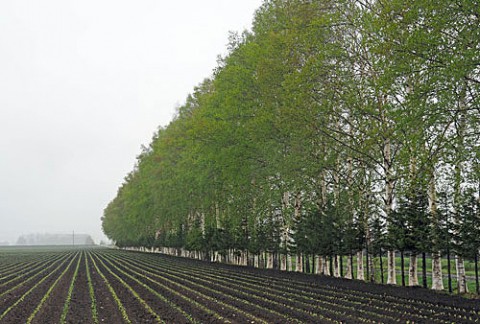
x,y
73,238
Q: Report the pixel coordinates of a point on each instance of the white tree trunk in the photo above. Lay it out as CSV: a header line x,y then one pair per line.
x,y
261,260
243,258
269,260
360,267
461,277
299,262
459,168
318,264
256,264
285,234
392,273
297,215
283,262
412,271
437,278
326,267
336,266
389,186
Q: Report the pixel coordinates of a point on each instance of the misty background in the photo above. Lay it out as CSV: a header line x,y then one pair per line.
x,y
83,84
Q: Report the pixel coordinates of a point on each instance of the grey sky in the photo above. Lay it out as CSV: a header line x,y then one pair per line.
x,y
82,85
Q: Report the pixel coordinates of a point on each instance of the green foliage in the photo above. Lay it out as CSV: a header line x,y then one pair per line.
x,y
410,224
365,109
466,237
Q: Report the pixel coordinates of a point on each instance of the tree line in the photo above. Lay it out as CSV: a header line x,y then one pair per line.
x,y
332,131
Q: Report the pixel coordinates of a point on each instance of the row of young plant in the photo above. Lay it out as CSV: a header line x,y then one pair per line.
x,y
24,270
91,291
46,280
68,299
211,297
304,301
304,294
12,260
10,264
331,128
364,297
118,302
35,270
48,293
23,279
241,305
258,297
199,304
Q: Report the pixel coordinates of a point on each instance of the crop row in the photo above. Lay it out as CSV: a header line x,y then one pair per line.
x,y
40,286
323,299
116,286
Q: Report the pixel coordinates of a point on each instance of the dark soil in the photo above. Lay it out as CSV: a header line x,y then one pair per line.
x,y
196,295
51,311
24,308
80,304
217,293
399,303
107,309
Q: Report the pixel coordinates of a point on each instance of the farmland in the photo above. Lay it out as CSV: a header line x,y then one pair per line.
x,y
66,285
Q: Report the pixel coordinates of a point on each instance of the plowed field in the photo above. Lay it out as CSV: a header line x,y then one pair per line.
x,y
61,285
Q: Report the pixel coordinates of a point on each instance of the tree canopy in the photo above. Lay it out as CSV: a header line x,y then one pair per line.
x,y
329,127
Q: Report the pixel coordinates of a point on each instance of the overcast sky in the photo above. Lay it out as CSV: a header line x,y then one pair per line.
x,y
83,84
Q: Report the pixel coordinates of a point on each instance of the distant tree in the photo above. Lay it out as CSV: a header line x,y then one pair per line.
x,y
21,240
